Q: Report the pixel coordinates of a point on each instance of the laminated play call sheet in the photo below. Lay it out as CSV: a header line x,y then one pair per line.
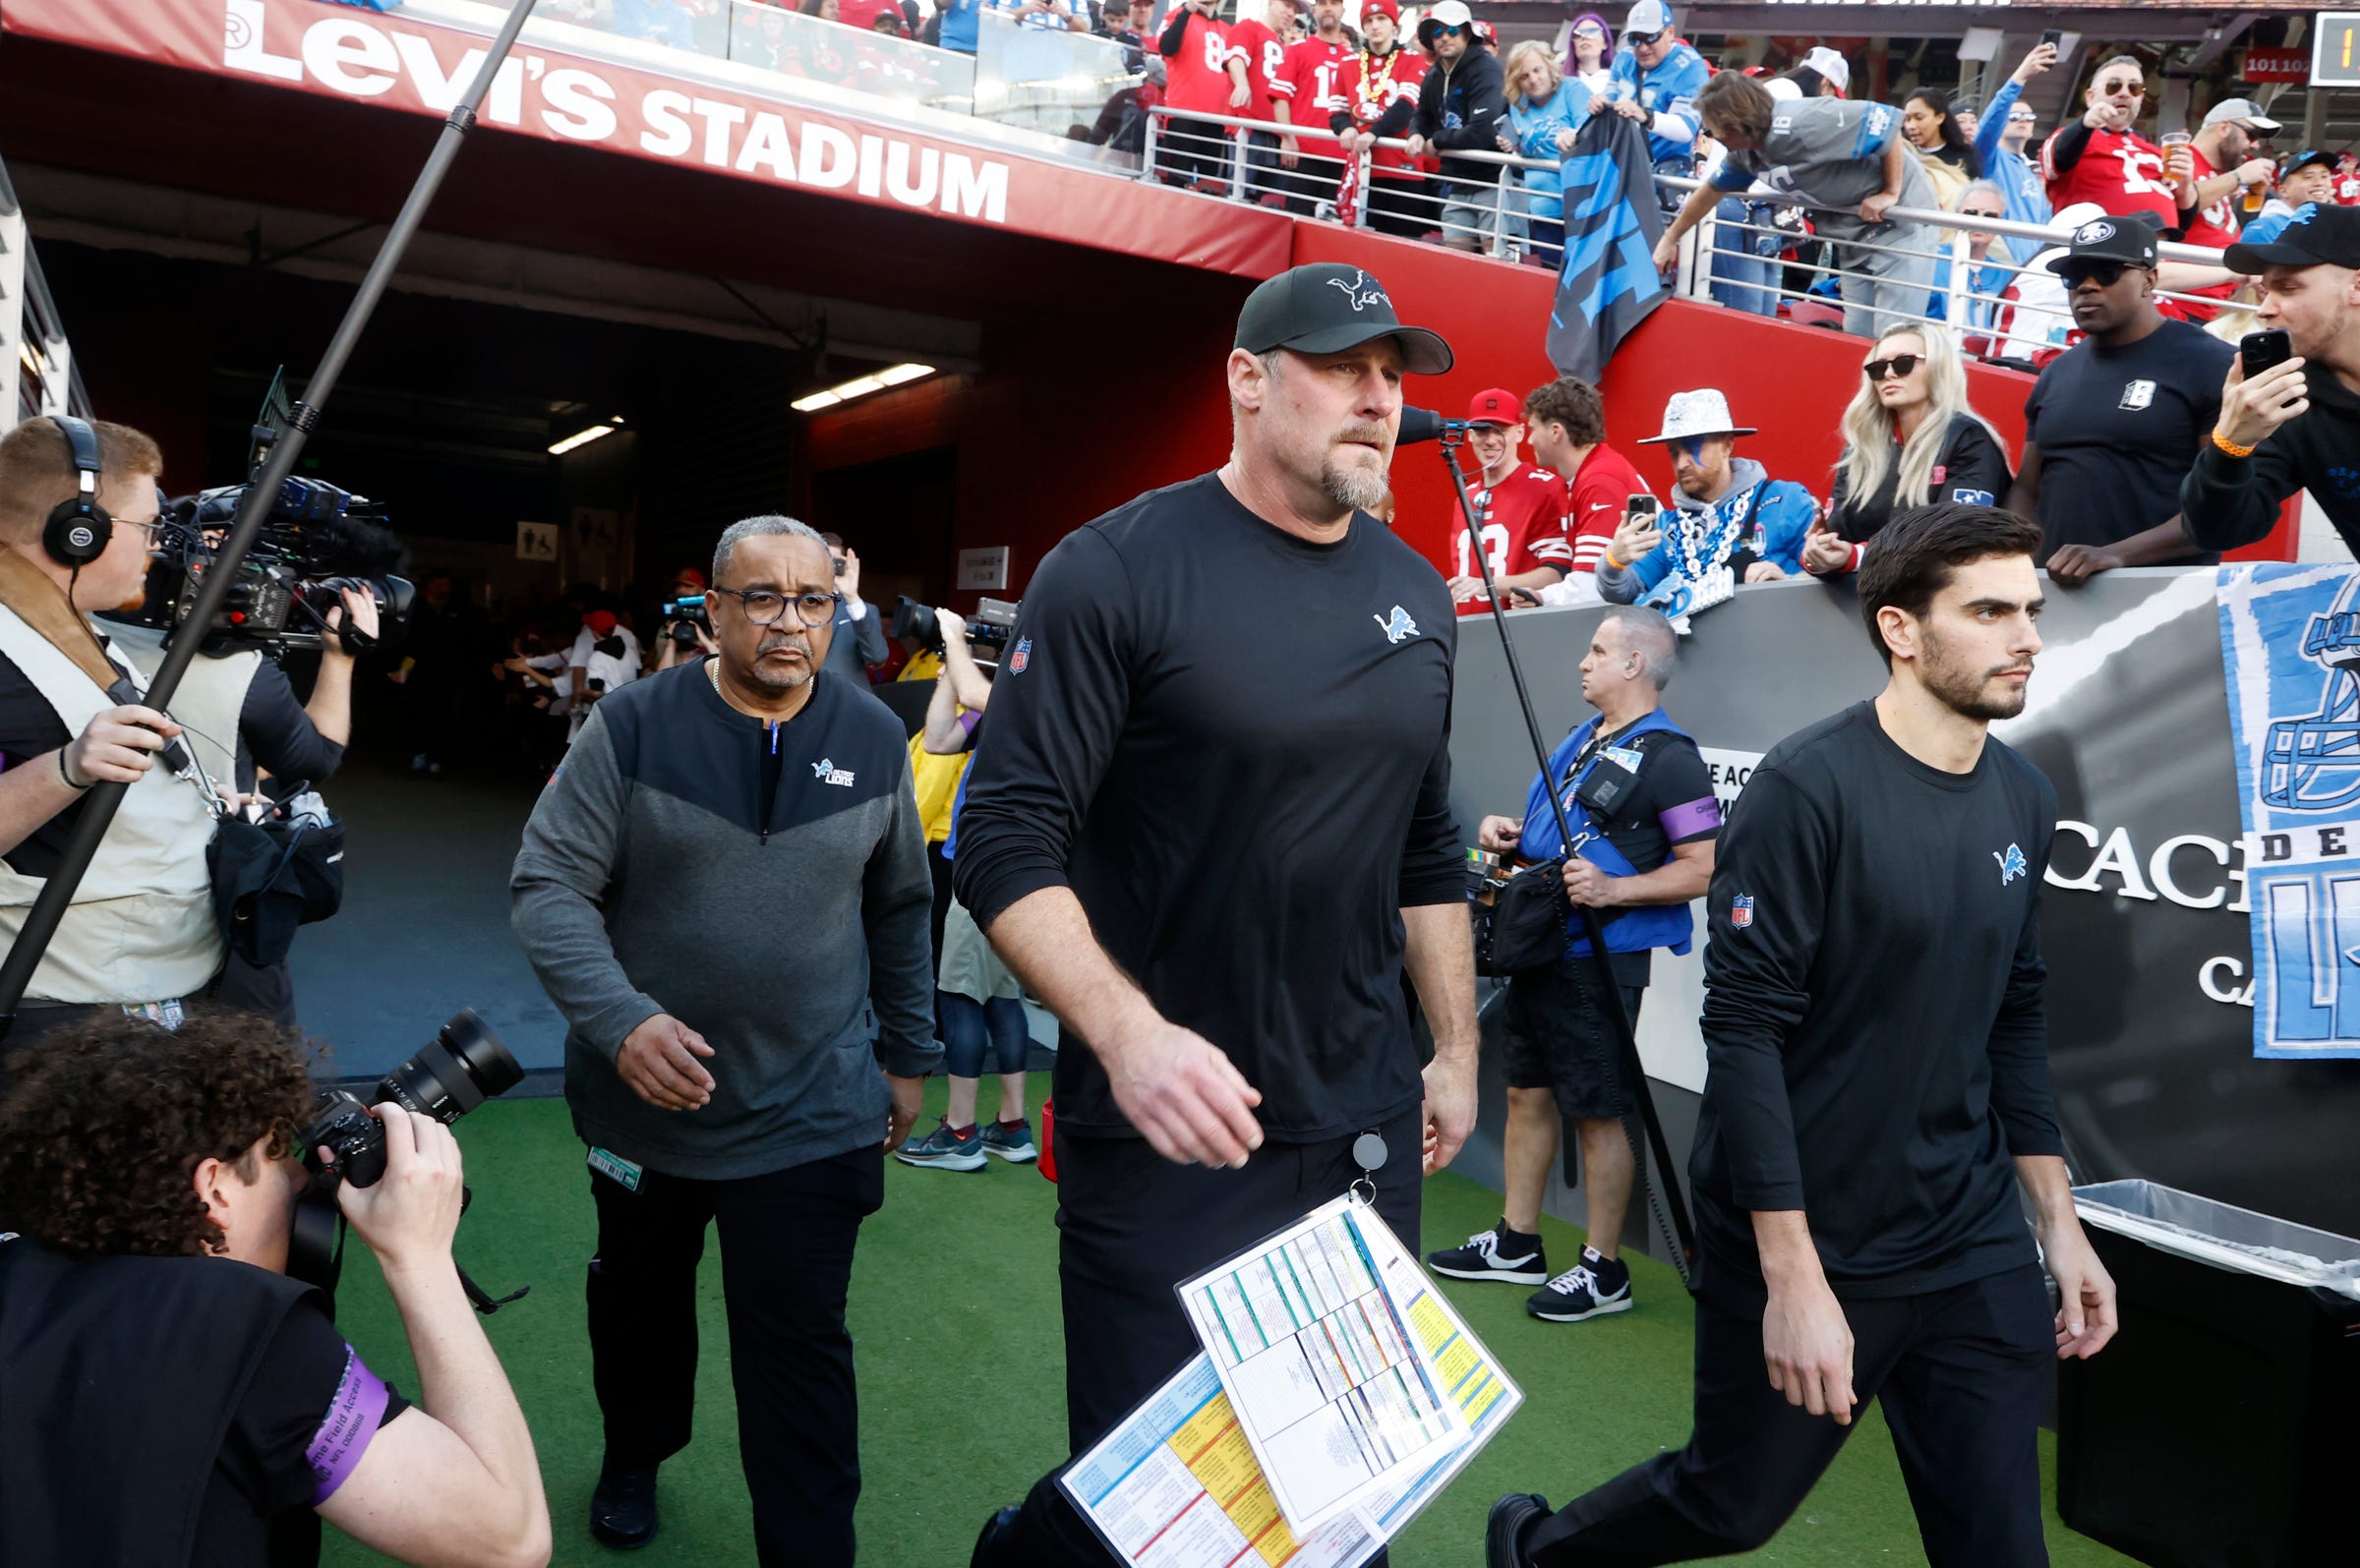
x,y
1311,1333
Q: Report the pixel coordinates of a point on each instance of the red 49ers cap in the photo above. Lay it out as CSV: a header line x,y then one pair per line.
x,y
1499,406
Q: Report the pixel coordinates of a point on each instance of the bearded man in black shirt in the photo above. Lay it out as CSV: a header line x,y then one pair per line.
x,y
1877,1058
1209,826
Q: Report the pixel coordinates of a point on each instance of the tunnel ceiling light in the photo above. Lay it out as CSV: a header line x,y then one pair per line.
x,y
862,387
583,437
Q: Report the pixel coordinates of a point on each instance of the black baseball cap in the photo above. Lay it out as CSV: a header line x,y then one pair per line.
x,y
1326,308
2128,240
2315,236
2305,158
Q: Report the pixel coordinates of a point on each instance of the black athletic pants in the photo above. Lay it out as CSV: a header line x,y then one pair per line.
x,y
1963,1375
786,1260
1132,1225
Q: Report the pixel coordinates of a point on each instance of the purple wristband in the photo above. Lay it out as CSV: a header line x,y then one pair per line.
x,y
969,718
352,1420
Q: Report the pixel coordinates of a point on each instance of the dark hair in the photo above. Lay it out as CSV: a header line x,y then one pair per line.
x,y
1911,557
1572,402
109,1120
1953,139
1737,103
1811,84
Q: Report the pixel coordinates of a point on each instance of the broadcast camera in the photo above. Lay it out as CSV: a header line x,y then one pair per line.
x,y
684,617
316,541
990,626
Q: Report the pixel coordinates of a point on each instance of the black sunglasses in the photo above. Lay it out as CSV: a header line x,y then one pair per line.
x,y
2106,274
1900,365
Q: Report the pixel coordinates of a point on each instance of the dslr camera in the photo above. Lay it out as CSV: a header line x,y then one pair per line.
x,y
462,1067
989,627
316,541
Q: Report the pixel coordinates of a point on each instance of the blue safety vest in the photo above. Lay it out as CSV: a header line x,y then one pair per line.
x,y
1635,928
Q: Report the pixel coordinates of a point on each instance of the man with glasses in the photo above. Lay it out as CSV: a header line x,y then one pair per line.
x,y
1656,81
2101,158
724,892
2114,421
2005,130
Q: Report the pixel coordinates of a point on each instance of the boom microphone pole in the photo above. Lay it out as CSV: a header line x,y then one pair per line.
x,y
103,799
1668,1187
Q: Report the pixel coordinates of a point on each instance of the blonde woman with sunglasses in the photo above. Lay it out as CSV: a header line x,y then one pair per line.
x,y
1910,438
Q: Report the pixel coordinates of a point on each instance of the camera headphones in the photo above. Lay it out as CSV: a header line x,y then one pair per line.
x,y
78,530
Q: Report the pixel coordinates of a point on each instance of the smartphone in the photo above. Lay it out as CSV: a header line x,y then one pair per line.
x,y
2264,350
1644,506
2052,36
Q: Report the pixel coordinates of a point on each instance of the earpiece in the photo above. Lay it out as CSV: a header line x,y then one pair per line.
x,y
78,530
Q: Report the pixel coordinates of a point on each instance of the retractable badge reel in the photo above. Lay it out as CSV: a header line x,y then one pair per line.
x,y
1368,1152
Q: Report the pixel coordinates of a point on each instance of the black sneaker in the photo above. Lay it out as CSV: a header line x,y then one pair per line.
x,y
1499,1253
996,1531
1512,1519
622,1511
1591,1288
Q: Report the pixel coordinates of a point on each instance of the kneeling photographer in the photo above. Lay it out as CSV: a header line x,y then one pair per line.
x,y
78,505
167,1395
323,546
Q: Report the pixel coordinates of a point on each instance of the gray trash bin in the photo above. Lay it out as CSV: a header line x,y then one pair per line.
x,y
2222,1427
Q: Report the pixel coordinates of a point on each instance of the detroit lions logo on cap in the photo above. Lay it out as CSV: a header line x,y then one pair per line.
x,y
2091,232
2010,865
1363,293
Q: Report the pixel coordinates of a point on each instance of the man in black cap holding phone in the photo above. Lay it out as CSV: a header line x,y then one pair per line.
x,y
1211,828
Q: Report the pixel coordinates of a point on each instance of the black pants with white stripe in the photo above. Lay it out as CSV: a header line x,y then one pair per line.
x,y
1962,1375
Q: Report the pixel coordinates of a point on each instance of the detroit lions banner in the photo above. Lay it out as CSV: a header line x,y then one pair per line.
x,y
2290,645
1608,283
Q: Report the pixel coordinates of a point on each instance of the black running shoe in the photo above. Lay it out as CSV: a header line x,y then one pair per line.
x,y
1591,1288
1499,1253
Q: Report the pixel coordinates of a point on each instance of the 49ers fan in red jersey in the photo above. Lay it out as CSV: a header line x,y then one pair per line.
x,y
1519,510
1202,75
1309,91
2099,157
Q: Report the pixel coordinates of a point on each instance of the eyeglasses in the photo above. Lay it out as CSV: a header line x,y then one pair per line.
x,y
1977,212
1900,365
1634,39
763,608
2106,274
2123,90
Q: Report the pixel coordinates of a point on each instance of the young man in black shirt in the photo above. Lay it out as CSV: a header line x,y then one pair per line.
x,y
1209,827
2114,421
1878,1056
1632,782
167,1395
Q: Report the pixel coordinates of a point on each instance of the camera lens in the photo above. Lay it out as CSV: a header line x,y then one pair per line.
x,y
465,1066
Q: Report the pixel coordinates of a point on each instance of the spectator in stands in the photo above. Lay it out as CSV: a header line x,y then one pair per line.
x,y
1043,16
1657,79
1567,418
1823,74
668,22
1519,510
1204,77
860,638
2005,130
1544,111
2101,158
1991,267
1846,159
2113,423
2309,176
1735,525
1380,86
172,1396
2347,178
1640,862
1910,438
979,1003
816,53
2298,426
1590,54
1943,150
1749,236
954,25
1462,103
1310,92
1260,40
1964,113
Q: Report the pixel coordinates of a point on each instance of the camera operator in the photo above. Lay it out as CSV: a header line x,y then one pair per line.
x,y
78,505
740,836
671,647
167,1395
244,719
860,638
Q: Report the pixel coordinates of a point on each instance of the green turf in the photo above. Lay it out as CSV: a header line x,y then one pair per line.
x,y
954,1308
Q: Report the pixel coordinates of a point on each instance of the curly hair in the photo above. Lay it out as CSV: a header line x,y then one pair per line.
x,y
107,1124
1572,403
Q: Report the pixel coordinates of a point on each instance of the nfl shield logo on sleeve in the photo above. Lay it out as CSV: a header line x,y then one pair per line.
x,y
1740,911
1022,657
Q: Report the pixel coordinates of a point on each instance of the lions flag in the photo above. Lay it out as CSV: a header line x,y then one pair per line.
x,y
1608,283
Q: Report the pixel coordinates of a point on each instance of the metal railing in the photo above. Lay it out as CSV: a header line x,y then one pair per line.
x,y
37,372
1721,260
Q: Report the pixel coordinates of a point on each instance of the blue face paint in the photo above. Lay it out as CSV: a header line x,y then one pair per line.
x,y
1693,445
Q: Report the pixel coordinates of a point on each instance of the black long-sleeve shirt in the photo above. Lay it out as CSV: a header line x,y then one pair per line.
x,y
1233,745
1875,1045
1461,106
2226,501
